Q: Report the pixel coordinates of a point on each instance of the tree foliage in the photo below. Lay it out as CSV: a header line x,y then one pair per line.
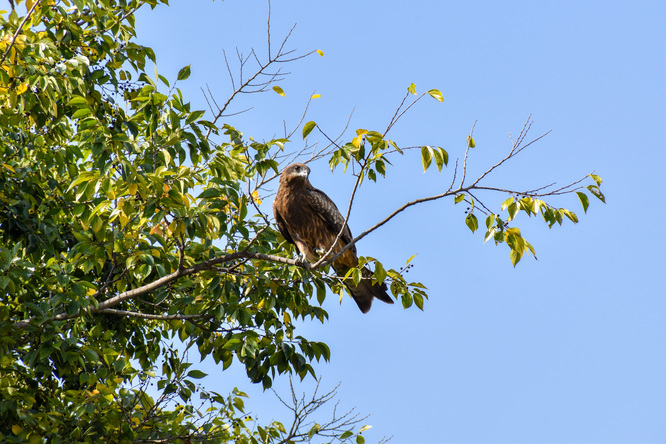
x,y
131,231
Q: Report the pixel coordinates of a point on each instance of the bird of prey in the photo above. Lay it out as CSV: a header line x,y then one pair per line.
x,y
308,218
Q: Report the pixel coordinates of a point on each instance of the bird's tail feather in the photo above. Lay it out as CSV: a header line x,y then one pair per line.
x,y
366,290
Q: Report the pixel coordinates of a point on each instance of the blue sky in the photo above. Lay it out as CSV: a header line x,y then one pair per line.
x,y
569,348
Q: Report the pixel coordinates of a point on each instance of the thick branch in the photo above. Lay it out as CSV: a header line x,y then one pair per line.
x,y
210,264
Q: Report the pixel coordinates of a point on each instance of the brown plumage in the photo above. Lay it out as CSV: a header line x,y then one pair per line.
x,y
309,219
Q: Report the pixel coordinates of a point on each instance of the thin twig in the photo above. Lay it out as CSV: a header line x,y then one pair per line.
x,y
464,171
134,314
344,225
18,31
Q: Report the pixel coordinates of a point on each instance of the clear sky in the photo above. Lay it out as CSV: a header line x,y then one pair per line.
x,y
569,348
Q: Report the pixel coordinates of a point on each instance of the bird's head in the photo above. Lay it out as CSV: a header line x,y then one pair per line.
x,y
296,173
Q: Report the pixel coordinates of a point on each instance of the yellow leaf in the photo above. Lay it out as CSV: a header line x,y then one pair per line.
x,y
132,189
123,220
278,90
436,94
320,52
513,231
9,167
255,197
16,429
172,228
23,87
20,42
315,96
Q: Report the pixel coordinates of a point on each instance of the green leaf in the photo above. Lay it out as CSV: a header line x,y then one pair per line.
x,y
356,275
184,73
314,430
307,128
436,94
571,215
506,203
278,90
196,374
513,210
459,198
490,221
426,157
515,257
407,300
412,89
345,435
78,102
233,344
418,301
597,193
194,116
527,205
321,292
81,112
472,222
441,157
584,200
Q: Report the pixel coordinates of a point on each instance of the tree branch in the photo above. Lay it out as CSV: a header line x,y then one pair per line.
x,y
18,31
161,282
154,317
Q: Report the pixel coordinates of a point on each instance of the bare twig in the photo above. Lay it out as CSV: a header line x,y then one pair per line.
x,y
395,119
515,149
464,170
303,409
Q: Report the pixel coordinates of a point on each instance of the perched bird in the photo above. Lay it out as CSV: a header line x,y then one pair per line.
x,y
309,219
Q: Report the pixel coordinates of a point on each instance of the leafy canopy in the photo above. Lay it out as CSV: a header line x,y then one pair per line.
x,y
131,230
